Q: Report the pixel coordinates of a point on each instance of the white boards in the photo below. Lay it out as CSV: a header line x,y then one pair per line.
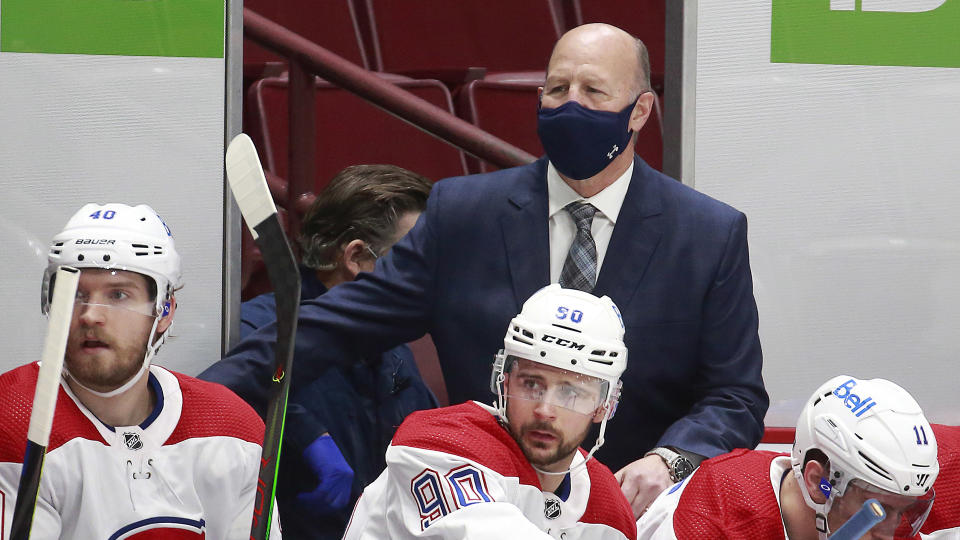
x,y
843,156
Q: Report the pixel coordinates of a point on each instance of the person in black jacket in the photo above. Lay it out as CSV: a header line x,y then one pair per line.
x,y
340,425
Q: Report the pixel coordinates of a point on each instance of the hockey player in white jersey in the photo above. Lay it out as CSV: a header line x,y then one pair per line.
x,y
136,451
855,440
515,470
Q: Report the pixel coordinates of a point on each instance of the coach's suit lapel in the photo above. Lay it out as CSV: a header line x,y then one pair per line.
x,y
525,233
635,237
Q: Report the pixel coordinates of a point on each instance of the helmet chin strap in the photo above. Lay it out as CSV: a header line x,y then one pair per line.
x,y
823,527
148,355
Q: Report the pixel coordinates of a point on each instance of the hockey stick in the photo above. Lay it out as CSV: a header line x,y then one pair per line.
x,y
869,515
44,399
249,187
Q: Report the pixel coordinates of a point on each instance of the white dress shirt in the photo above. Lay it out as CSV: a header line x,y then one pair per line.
x,y
563,230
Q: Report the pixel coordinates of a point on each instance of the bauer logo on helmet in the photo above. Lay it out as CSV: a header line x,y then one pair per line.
x,y
95,241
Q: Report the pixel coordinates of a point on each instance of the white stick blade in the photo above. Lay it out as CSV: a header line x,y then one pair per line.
x,y
248,183
54,348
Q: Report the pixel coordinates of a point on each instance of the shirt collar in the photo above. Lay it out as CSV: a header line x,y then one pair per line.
x,y
608,201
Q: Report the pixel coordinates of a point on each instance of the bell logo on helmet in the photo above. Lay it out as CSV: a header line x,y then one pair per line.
x,y
852,401
95,242
562,342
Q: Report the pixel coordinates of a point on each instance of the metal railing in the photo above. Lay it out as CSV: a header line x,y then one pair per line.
x,y
307,59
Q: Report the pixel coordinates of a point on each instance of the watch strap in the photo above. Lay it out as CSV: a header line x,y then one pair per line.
x,y
670,458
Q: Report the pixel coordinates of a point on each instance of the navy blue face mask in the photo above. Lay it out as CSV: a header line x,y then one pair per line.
x,y
581,142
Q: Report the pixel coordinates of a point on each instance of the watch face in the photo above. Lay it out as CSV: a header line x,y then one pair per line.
x,y
682,469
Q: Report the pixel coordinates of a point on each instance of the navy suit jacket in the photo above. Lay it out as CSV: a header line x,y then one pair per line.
x,y
677,267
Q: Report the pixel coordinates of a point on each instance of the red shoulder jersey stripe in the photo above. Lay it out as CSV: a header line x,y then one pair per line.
x,y
468,431
607,505
17,387
945,513
732,493
211,410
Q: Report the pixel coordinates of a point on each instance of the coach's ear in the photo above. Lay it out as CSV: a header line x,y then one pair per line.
x,y
813,474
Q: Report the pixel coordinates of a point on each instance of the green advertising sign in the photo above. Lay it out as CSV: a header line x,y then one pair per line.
x,y
866,32
190,28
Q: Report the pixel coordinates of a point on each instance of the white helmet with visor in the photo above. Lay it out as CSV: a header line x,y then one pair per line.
x,y
573,331
878,444
124,238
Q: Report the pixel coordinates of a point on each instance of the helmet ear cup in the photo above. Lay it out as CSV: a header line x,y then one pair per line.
x,y
611,406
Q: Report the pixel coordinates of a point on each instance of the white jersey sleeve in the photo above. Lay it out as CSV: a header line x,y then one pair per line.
x,y
950,534
430,494
243,518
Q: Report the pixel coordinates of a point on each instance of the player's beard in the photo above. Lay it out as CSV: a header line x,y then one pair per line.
x,y
112,367
564,447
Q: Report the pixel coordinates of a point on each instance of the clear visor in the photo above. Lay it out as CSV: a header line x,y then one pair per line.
x,y
533,381
115,302
905,515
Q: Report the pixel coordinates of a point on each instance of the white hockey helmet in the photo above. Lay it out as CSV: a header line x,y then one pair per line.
x,y
117,237
871,431
571,330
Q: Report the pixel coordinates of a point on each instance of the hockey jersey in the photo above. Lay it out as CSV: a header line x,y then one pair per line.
x,y
189,471
733,496
944,520
737,496
456,473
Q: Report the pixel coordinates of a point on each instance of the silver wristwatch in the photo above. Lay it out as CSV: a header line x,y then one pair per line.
x,y
680,467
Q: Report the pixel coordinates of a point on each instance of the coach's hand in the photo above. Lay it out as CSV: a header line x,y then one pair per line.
x,y
642,480
334,477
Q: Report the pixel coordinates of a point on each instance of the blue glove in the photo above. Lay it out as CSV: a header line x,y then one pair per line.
x,y
334,477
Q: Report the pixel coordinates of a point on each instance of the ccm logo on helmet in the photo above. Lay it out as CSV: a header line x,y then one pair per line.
x,y
562,342
851,400
94,241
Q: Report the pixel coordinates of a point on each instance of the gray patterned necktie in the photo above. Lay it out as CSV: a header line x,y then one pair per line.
x,y
580,268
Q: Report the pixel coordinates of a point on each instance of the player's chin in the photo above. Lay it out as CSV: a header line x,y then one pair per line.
x,y
541,453
544,460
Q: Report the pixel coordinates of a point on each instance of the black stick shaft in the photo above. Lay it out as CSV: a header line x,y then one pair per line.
x,y
285,278
27,491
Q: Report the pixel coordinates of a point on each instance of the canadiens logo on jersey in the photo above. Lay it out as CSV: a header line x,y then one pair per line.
x,y
132,440
162,528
